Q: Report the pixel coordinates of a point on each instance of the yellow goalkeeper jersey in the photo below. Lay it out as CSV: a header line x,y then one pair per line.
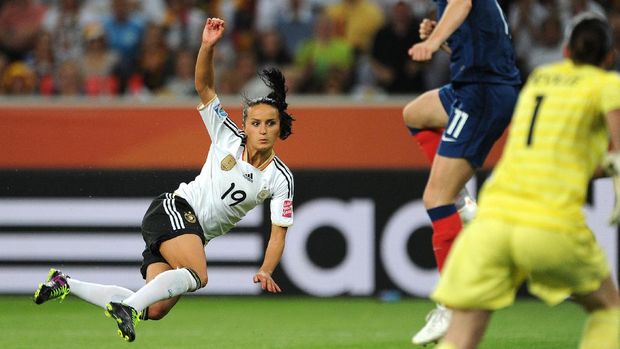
x,y
557,138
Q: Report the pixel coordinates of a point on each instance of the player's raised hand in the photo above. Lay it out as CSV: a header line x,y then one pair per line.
x,y
213,31
266,282
426,28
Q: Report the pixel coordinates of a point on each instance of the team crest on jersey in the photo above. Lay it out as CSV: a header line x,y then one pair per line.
x,y
228,163
263,194
220,111
287,208
190,217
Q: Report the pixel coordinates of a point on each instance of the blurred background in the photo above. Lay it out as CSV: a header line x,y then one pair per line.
x,y
97,117
336,47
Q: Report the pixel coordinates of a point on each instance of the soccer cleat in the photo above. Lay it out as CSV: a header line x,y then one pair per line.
x,y
55,287
466,206
437,322
126,319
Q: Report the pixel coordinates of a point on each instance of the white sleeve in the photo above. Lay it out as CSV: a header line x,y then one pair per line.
x,y
282,200
221,128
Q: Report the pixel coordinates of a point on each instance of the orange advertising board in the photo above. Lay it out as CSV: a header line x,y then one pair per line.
x,y
172,137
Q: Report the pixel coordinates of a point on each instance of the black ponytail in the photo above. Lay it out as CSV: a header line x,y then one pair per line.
x,y
274,79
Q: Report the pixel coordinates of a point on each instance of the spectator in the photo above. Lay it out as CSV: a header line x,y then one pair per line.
x,y
124,34
69,79
420,8
525,18
155,62
98,63
183,24
571,8
357,21
295,23
181,84
270,51
549,47
42,61
18,79
141,10
614,23
392,68
242,33
235,79
4,63
20,24
65,22
324,58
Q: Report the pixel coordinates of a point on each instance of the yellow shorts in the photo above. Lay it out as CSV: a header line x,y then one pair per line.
x,y
491,259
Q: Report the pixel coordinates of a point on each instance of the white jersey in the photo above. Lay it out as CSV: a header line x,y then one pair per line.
x,y
227,186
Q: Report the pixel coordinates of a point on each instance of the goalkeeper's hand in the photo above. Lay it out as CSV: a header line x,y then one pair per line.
x,y
611,165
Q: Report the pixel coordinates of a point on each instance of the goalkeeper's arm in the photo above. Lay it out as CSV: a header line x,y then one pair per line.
x,y
611,164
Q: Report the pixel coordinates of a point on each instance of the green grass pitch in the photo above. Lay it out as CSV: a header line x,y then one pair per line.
x,y
274,322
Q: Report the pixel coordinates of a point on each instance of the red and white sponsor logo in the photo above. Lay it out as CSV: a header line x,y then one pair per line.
x,y
287,209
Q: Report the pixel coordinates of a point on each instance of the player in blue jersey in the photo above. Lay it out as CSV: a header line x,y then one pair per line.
x,y
532,228
457,124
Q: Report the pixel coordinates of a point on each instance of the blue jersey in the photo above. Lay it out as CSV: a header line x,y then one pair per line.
x,y
482,49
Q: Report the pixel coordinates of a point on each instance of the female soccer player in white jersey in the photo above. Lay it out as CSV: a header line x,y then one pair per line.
x,y
240,172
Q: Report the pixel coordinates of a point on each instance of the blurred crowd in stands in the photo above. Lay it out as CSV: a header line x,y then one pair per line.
x,y
148,47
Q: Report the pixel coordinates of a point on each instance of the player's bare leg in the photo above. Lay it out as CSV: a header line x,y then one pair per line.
x,y
466,329
425,116
602,329
427,113
188,272
448,177
157,311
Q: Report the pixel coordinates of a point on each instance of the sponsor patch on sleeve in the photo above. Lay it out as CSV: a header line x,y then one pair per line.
x,y
217,108
287,208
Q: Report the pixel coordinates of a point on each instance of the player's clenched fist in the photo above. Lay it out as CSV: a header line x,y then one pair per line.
x,y
423,51
213,31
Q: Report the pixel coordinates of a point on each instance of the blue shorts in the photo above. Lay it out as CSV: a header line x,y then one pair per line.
x,y
478,114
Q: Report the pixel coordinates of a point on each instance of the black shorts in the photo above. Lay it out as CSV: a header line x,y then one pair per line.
x,y
168,216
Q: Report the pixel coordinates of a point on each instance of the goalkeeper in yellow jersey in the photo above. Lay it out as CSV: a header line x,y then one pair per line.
x,y
530,225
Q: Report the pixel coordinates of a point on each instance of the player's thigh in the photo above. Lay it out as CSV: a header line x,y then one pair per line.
x,y
448,176
186,251
560,263
606,296
479,273
426,111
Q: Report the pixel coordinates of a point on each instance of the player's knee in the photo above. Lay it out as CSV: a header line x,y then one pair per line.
x,y
606,297
410,115
200,278
203,280
429,198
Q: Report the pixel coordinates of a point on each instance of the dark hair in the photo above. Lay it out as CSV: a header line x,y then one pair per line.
x,y
274,79
590,39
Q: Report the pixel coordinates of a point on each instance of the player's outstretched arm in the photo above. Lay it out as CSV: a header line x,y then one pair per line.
x,y
204,78
275,247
